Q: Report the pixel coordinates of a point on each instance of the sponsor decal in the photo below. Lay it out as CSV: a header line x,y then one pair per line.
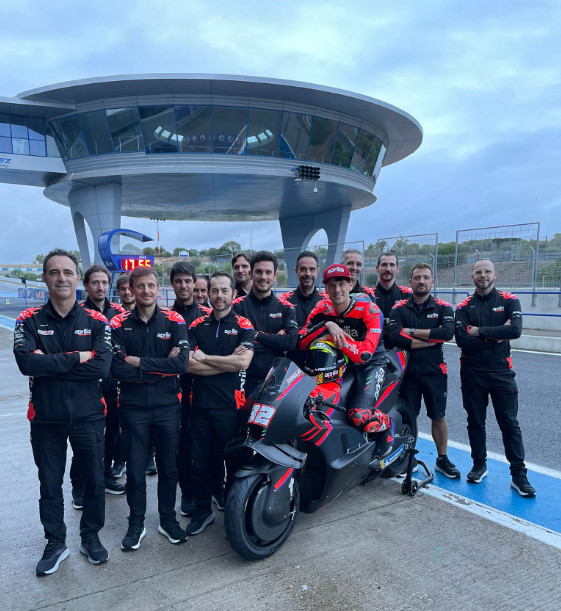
x,y
334,270
45,332
82,332
275,315
231,331
5,162
499,309
166,335
433,315
388,461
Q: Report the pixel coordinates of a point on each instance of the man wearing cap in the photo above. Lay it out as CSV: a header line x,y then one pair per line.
x,y
354,324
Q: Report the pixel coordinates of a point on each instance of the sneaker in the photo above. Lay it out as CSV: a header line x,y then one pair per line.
x,y
151,469
92,547
446,467
173,532
55,552
78,498
119,469
187,505
199,521
478,472
112,486
134,536
521,484
219,499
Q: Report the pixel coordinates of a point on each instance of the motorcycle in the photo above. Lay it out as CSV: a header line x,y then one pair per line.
x,y
301,453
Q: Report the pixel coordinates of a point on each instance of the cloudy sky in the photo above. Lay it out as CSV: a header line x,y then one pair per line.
x,y
482,78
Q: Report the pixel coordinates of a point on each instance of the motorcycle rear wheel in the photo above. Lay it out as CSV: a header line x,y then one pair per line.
x,y
248,532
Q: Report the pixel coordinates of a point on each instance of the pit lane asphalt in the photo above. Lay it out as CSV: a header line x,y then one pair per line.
x,y
374,548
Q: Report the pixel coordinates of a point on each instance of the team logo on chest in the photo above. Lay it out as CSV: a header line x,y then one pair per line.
x,y
166,335
83,332
231,331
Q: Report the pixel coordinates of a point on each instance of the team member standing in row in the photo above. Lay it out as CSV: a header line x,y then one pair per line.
x,y
485,323
200,291
274,320
421,324
241,270
223,348
353,260
124,292
150,349
65,349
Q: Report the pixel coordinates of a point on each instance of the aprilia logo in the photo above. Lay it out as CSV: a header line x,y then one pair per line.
x,y
164,335
276,315
83,332
499,309
231,331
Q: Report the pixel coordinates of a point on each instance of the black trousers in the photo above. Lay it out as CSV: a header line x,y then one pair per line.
x,y
210,430
49,444
160,426
185,459
477,386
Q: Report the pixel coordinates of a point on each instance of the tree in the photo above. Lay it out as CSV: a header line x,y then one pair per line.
x,y
148,250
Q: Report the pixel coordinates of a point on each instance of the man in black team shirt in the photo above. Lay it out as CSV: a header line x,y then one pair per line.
x,y
223,348
353,260
485,323
422,324
387,291
241,270
96,282
274,320
150,350
183,279
305,297
66,350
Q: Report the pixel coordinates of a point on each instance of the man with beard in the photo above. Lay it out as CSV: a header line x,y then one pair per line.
x,y
124,292
241,270
222,349
485,323
150,351
353,260
96,282
387,291
274,320
422,324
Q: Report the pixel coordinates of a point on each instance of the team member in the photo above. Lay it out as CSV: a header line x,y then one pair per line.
x,y
421,324
65,349
485,323
387,291
96,282
183,279
305,297
241,270
200,291
223,348
273,320
353,260
354,324
150,349
124,292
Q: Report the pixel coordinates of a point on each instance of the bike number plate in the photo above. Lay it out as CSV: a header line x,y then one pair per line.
x,y
261,414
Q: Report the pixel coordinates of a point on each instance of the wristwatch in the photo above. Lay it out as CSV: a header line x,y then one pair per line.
x,y
412,330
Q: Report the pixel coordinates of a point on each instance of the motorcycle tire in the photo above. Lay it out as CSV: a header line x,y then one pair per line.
x,y
408,427
246,529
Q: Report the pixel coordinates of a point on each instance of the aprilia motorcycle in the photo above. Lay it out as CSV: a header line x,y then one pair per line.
x,y
301,453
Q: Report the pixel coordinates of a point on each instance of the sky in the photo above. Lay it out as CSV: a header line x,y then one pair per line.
x,y
482,78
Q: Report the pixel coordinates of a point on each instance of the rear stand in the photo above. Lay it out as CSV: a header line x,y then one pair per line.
x,y
409,485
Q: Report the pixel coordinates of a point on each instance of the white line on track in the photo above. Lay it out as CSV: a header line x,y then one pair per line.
x,y
499,457
534,531
536,352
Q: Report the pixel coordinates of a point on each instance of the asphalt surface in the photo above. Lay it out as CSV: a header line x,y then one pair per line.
x,y
373,548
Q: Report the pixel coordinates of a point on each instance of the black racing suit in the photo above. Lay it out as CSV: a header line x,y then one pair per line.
x,y
184,460
65,403
216,401
362,322
150,401
426,375
486,369
268,316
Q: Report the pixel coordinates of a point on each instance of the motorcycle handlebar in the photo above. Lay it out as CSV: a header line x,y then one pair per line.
x,y
338,408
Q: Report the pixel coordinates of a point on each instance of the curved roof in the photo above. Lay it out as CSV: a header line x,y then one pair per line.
x,y
403,131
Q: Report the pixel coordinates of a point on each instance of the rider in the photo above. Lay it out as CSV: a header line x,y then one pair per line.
x,y
354,324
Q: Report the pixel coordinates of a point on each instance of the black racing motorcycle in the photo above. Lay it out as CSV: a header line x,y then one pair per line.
x,y
301,453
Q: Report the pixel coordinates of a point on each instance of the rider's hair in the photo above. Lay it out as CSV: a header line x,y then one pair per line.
x,y
220,274
182,267
388,253
348,252
123,279
421,265
140,272
307,253
238,255
94,269
61,252
264,255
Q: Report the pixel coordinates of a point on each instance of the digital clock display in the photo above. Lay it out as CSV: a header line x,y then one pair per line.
x,y
126,263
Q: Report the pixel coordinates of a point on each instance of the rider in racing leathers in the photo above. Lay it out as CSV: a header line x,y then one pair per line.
x,y
355,326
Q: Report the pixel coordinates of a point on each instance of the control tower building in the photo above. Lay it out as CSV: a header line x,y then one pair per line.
x,y
203,147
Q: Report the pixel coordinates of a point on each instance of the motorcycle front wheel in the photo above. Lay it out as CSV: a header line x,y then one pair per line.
x,y
247,517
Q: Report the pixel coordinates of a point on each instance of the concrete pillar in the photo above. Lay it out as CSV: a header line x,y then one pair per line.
x,y
297,232
100,207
